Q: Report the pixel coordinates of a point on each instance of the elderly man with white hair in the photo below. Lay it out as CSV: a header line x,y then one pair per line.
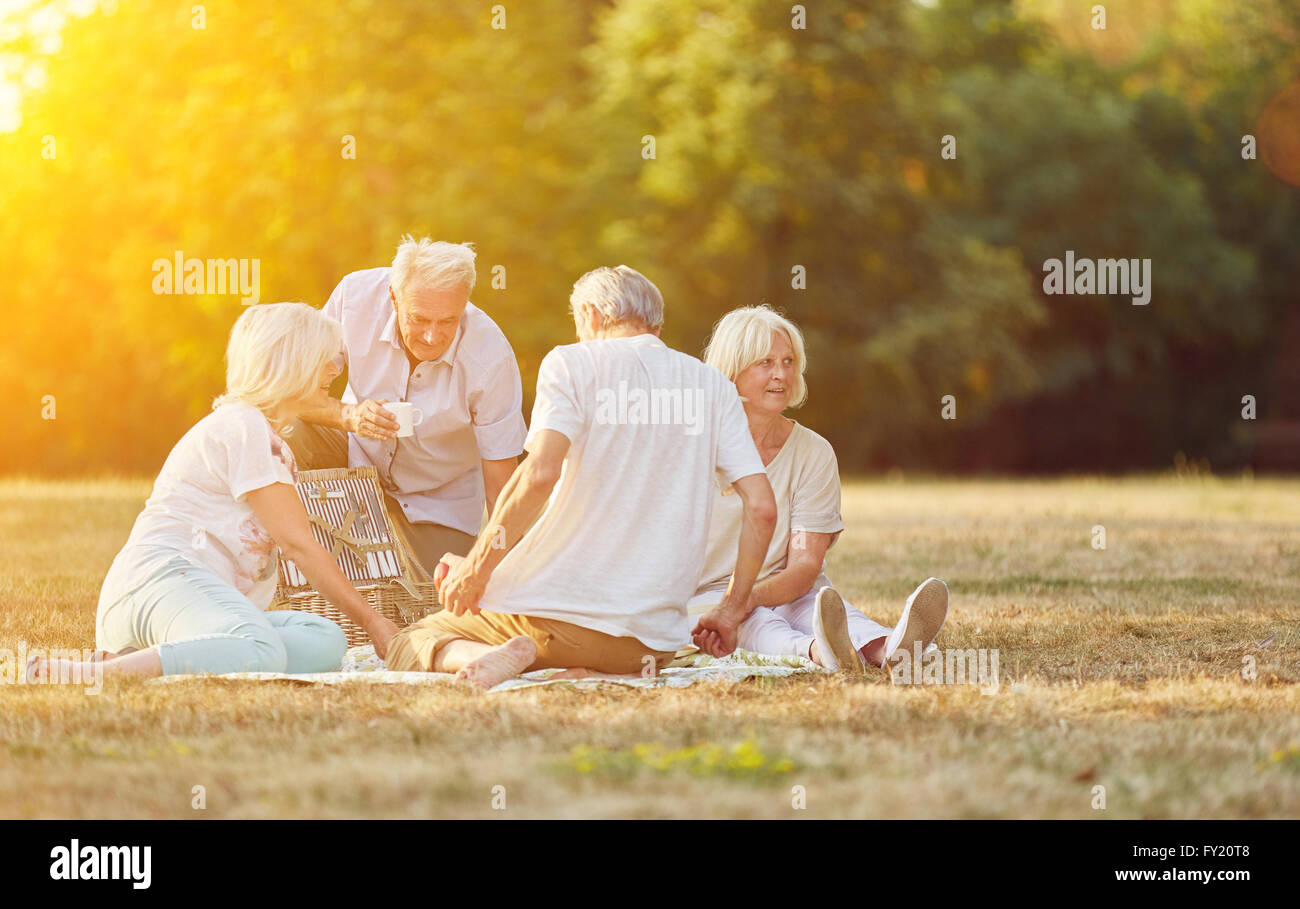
x,y
411,335
606,523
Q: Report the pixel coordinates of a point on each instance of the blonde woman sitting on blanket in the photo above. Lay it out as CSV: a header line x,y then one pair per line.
x,y
189,590
798,612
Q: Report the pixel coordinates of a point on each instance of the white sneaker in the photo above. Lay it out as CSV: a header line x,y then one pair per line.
x,y
922,618
831,632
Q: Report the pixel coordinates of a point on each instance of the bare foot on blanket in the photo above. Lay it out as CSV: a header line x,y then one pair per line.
x,y
500,663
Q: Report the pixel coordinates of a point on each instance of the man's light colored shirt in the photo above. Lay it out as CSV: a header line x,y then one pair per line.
x,y
471,398
620,546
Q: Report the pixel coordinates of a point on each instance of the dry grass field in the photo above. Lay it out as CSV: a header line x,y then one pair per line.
x,y
1120,668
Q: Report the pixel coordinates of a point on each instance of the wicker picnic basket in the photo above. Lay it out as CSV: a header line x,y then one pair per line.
x,y
349,518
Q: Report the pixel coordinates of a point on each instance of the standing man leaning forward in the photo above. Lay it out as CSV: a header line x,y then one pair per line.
x,y
605,524
411,334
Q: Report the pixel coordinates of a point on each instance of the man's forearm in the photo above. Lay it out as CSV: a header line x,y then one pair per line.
x,y
754,540
520,504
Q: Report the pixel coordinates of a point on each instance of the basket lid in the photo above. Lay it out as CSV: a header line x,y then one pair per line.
x,y
349,519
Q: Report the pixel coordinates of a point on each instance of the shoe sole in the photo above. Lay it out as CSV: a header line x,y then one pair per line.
x,y
833,623
925,613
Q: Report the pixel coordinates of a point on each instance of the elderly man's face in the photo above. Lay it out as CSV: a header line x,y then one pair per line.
x,y
428,319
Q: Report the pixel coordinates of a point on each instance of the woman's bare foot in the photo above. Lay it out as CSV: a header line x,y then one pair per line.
x,y
62,672
500,663
145,662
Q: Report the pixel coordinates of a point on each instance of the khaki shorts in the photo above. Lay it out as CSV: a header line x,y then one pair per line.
x,y
560,645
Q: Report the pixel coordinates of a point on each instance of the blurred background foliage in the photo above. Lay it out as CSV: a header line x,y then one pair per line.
x,y
775,148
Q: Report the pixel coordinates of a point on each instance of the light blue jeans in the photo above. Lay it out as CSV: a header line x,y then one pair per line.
x,y
199,623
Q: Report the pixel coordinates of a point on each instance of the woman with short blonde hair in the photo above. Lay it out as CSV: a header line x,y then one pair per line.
x,y
276,351
189,591
797,611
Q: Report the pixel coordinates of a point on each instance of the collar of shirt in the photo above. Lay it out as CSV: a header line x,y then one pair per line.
x,y
645,338
448,356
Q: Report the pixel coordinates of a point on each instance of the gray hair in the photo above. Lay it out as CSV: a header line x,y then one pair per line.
x,y
619,294
434,265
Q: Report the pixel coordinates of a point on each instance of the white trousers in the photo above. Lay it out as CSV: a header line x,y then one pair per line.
x,y
787,630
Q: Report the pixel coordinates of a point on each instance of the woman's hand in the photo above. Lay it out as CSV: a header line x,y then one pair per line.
x,y
381,635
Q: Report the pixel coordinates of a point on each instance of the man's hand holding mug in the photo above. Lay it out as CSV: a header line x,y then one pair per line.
x,y
371,419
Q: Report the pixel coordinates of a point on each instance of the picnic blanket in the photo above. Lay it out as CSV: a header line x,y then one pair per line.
x,y
362,665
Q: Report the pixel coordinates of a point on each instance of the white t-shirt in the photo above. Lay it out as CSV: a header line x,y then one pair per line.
x,y
805,478
198,507
620,545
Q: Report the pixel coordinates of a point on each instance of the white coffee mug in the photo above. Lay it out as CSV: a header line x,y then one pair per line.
x,y
408,416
